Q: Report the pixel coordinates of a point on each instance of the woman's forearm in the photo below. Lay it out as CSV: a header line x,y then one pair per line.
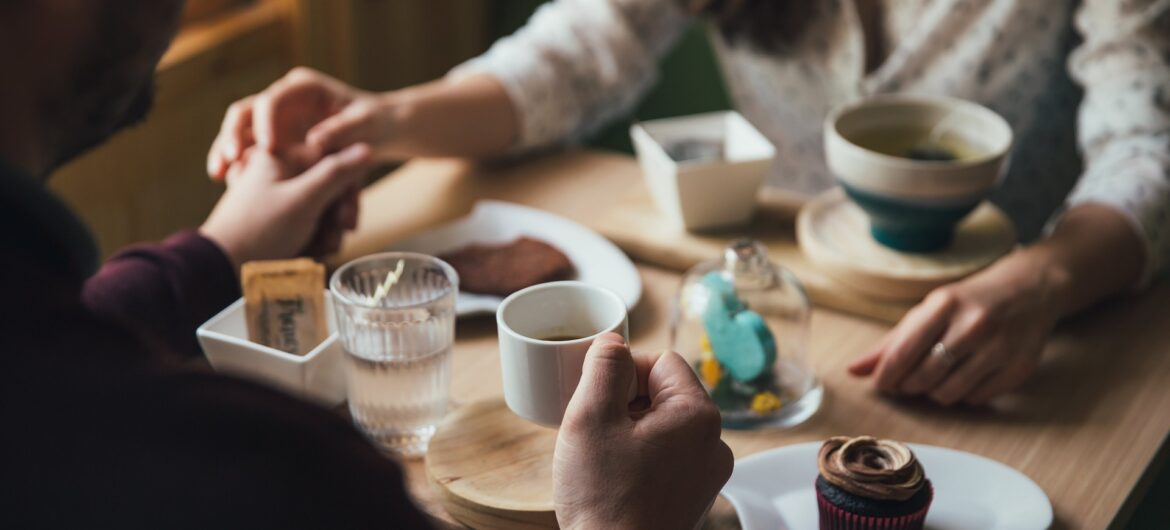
x,y
1092,254
469,117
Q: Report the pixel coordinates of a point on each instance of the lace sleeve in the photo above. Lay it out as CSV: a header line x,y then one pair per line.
x,y
577,64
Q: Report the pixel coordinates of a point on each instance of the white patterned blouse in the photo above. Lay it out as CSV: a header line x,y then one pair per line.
x,y
1079,82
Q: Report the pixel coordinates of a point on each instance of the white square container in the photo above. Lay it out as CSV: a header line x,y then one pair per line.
x,y
319,375
704,194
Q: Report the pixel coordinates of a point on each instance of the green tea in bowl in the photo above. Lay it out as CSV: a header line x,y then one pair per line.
x,y
919,144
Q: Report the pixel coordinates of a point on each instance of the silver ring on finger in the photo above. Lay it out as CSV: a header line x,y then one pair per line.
x,y
939,351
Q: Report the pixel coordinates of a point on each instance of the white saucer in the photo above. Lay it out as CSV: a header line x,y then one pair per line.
x,y
774,490
595,259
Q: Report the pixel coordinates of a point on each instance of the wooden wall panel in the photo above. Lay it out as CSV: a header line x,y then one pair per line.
x,y
386,44
408,42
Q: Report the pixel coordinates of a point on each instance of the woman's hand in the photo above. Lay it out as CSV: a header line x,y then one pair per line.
x,y
991,327
272,210
657,467
302,117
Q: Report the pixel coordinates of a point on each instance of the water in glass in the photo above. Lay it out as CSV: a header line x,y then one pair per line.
x,y
398,345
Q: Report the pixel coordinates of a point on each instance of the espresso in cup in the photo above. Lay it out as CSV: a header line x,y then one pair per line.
x,y
545,331
562,338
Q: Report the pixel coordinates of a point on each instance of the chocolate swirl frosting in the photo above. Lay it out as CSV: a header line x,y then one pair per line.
x,y
871,468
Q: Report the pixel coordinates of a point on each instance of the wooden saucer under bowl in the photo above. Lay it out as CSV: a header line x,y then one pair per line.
x,y
834,234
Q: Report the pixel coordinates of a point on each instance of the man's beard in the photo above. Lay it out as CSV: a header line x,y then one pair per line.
x,y
112,85
99,119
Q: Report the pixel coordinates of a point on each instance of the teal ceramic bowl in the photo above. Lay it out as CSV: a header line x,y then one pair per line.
x,y
911,226
913,205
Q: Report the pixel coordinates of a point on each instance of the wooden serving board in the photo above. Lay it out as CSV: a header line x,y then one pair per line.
x,y
635,225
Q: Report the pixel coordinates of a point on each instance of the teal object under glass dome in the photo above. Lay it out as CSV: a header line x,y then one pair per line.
x,y
741,322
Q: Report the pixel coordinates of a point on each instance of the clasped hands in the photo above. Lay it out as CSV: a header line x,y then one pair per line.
x,y
294,157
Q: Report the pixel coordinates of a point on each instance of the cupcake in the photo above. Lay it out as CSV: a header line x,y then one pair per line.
x,y
868,483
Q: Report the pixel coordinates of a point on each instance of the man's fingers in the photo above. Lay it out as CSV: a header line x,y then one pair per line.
x,y
238,126
671,376
233,174
606,376
912,338
252,163
678,400
348,208
643,364
217,165
234,137
323,183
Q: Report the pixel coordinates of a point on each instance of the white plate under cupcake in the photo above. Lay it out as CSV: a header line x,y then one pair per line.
x,y
774,490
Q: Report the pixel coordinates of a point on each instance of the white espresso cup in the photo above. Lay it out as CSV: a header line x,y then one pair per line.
x,y
545,331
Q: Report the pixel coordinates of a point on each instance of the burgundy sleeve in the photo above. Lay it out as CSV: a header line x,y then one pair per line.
x,y
164,291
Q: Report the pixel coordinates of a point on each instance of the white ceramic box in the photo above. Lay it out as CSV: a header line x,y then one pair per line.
x,y
704,193
319,375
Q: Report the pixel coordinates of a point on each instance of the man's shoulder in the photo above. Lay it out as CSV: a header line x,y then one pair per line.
x,y
190,449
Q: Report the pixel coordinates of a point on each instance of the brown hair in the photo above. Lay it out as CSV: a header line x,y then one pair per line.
x,y
767,25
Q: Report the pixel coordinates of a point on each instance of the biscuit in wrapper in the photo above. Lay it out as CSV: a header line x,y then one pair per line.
x,y
284,304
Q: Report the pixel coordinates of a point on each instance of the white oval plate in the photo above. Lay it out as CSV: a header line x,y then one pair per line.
x,y
595,259
774,490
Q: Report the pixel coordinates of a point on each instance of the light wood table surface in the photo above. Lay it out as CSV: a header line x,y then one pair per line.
x,y
1088,428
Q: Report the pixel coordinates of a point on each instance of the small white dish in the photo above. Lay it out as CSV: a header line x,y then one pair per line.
x,y
595,259
319,375
774,490
703,193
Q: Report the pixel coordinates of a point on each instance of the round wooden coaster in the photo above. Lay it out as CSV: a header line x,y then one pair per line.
x,y
834,234
492,469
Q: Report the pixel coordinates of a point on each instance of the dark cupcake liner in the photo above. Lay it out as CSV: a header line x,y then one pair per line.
x,y
836,518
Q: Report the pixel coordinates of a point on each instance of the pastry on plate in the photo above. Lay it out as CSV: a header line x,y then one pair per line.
x,y
501,270
866,483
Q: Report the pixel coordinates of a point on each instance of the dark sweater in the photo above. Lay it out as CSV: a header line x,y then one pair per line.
x,y
106,423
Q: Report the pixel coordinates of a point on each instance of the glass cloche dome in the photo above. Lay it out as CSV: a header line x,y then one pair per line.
x,y
742,322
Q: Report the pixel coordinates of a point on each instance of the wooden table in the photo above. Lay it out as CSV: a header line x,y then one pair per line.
x,y
1088,428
